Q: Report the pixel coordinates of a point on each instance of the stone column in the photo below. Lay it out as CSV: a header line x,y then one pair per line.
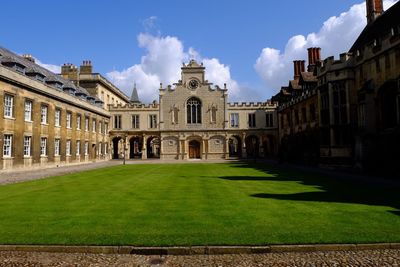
x,y
204,156
186,154
144,148
226,147
244,153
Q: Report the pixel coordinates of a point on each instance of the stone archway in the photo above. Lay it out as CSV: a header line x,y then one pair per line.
x,y
235,146
135,147
153,147
115,142
194,149
252,146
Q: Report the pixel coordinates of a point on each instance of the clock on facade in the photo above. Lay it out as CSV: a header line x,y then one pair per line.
x,y
193,84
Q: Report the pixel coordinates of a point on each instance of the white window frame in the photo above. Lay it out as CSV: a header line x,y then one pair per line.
x,y
69,120
43,146
86,148
94,125
44,110
153,121
86,124
8,106
78,147
68,148
234,120
57,117
78,122
135,121
28,110
7,145
252,120
57,147
27,146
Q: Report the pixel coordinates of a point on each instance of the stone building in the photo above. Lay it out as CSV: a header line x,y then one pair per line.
x,y
298,113
376,63
357,98
193,120
45,119
96,84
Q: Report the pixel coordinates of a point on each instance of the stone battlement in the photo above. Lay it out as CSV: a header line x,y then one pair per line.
x,y
267,104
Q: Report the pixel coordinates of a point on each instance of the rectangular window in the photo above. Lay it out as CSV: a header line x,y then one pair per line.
x,y
43,146
68,148
312,112
43,114
135,121
269,120
8,106
94,125
86,124
152,121
57,117
105,128
252,120
57,147
27,145
28,110
86,148
234,120
117,121
296,116
78,147
7,145
105,148
69,120
78,122
303,115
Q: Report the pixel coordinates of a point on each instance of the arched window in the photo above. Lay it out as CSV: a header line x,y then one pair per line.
x,y
193,109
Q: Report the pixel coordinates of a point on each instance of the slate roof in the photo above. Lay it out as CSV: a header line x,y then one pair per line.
x,y
6,56
380,26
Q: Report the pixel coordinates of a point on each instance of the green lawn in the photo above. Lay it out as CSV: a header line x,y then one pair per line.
x,y
197,204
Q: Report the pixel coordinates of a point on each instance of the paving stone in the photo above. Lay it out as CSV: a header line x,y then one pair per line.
x,y
375,257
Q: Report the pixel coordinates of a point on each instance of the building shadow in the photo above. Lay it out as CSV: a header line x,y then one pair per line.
x,y
331,188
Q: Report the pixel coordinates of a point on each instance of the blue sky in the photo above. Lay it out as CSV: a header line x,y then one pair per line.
x,y
230,35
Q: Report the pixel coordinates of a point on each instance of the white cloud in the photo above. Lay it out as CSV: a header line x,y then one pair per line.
x,y
335,36
162,64
53,68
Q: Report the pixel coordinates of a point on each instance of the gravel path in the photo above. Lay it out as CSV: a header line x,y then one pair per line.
x,y
16,176
381,258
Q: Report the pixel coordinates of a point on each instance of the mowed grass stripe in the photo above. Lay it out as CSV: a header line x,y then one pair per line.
x,y
196,204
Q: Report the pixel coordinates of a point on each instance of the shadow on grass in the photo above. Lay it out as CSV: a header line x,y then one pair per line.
x,y
332,188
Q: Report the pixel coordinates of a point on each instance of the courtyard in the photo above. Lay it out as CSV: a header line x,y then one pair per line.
x,y
198,204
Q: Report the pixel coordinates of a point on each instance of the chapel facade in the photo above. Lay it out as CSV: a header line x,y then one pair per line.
x,y
193,120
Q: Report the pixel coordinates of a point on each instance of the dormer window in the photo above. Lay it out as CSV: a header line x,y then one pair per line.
x,y
19,68
40,77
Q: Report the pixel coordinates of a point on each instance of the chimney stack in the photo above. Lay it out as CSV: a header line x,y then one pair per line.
x,y
298,68
86,67
374,10
29,57
314,56
69,71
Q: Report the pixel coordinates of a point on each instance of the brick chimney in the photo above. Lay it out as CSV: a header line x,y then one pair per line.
x,y
29,57
314,56
86,67
374,9
298,68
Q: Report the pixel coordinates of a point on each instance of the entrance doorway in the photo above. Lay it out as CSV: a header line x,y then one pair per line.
x,y
194,149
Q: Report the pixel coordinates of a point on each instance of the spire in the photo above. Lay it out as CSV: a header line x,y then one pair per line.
x,y
134,96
